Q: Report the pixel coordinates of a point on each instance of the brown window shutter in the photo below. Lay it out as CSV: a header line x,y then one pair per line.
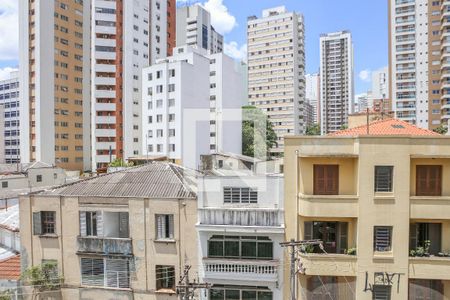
x,y
326,179
429,180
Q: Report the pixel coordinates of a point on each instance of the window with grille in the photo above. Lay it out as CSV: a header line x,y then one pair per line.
x,y
381,292
326,179
383,178
44,222
164,227
225,292
165,277
382,240
241,247
106,272
240,195
429,180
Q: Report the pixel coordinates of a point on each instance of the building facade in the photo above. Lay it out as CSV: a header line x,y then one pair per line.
x,y
126,37
192,96
418,54
276,70
240,225
9,99
194,29
129,245
54,81
312,94
377,203
336,80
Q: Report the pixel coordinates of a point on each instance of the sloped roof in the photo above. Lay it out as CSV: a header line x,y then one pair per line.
x,y
9,218
153,180
10,268
386,127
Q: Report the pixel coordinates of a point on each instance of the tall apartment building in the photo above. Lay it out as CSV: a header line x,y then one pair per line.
x,y
380,84
377,202
336,80
312,94
127,36
10,128
418,55
194,29
240,225
129,245
54,82
276,70
192,96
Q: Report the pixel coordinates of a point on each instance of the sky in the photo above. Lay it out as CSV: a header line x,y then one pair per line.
x,y
366,20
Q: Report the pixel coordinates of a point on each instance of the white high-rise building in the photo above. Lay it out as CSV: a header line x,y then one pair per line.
x,y
276,70
194,29
312,94
10,127
336,80
126,37
380,84
191,106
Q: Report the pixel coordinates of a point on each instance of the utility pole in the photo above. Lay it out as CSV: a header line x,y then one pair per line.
x,y
185,288
293,245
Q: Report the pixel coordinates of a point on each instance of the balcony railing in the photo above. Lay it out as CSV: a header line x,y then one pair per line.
x,y
260,270
429,267
241,217
105,245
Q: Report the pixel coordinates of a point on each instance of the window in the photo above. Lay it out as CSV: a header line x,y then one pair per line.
x,y
240,195
326,179
429,180
105,272
426,289
382,238
164,227
224,292
159,133
93,222
241,247
158,118
420,233
383,178
4,184
172,87
172,73
171,117
38,178
381,292
325,287
165,277
44,222
334,235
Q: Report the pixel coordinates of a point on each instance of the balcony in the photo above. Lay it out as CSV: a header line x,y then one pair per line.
x,y
429,267
104,246
329,264
430,207
345,206
241,270
243,217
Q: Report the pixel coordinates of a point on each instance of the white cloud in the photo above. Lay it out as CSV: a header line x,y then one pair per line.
x,y
232,49
221,18
9,30
365,75
4,73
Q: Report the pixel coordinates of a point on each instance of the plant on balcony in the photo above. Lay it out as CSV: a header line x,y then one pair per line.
x,y
350,251
443,254
421,251
43,277
7,295
307,249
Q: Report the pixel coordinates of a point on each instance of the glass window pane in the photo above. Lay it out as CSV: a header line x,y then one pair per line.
x,y
265,250
232,294
264,295
215,248
215,294
248,295
248,249
231,249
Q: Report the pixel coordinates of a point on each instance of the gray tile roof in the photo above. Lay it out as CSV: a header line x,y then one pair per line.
x,y
153,180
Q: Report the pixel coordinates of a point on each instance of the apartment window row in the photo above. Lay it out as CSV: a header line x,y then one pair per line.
x,y
241,195
240,247
224,292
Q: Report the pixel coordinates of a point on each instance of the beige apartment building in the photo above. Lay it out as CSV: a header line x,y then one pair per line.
x,y
54,82
122,235
377,197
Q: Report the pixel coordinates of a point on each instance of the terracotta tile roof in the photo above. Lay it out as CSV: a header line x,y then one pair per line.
x,y
386,127
10,268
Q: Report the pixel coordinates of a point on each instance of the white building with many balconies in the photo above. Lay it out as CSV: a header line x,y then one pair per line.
x,y
240,225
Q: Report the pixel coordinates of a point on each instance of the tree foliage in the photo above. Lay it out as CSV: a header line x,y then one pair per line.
x,y
441,129
258,136
313,129
118,162
43,277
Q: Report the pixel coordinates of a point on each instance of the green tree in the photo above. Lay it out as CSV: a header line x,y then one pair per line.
x,y
441,129
258,136
43,277
313,129
118,162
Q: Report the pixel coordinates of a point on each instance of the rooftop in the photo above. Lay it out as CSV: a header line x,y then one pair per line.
x,y
386,127
10,268
9,218
154,180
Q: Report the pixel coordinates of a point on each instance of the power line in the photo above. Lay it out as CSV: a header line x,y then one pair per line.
x,y
185,288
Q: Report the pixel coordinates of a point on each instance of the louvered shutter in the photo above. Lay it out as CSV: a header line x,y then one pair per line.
x,y
83,231
429,180
92,272
319,179
160,227
308,231
343,236
123,225
171,227
382,238
117,273
326,179
37,223
332,178
99,223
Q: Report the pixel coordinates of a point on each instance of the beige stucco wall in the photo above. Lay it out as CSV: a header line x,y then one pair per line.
x,y
147,252
357,158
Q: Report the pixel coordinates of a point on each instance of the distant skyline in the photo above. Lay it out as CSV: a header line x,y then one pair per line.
x,y
367,21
